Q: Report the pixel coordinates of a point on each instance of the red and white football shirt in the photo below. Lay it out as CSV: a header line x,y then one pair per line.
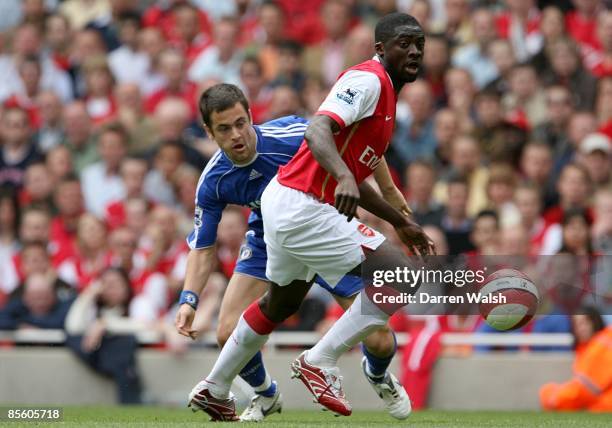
x,y
362,102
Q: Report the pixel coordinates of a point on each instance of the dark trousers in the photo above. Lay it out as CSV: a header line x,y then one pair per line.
x,y
115,358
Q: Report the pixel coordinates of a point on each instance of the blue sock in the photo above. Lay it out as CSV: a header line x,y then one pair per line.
x,y
377,366
254,373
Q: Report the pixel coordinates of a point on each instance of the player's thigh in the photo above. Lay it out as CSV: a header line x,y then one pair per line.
x,y
389,257
242,290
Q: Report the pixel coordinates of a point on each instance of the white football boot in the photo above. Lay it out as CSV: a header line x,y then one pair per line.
x,y
391,392
261,407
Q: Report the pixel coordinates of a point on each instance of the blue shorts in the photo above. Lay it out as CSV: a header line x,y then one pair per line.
x,y
252,262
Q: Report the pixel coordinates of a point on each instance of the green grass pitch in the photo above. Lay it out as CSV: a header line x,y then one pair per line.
x,y
150,417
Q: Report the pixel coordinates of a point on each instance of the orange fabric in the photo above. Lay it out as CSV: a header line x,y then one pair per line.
x,y
591,386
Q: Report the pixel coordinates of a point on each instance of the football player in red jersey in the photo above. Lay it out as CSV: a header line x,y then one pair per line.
x,y
309,227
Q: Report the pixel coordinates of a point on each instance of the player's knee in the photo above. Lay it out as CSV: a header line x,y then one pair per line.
x,y
381,342
278,312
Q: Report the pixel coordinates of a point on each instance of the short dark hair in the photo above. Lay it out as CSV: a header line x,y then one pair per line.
x,y
488,213
219,98
385,28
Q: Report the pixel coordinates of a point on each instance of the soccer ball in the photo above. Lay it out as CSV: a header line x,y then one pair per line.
x,y
508,299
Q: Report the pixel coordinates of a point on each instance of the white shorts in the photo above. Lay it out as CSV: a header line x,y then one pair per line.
x,y
305,237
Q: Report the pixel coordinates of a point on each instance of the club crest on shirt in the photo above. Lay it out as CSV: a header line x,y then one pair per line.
x,y
245,253
348,95
197,218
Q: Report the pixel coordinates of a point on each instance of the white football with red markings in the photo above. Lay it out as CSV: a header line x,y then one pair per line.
x,y
508,299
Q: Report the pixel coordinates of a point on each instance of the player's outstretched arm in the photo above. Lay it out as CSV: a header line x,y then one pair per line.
x,y
199,267
410,233
320,140
389,190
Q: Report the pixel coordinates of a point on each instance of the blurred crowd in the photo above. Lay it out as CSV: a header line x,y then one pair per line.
x,y
502,146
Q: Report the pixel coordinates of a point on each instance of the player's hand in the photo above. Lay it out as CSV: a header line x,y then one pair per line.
x,y
347,196
396,199
184,321
413,236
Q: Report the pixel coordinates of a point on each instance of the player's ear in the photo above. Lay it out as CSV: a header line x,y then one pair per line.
x,y
250,116
209,132
379,48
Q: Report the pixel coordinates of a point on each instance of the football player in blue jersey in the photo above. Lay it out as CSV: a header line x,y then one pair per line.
x,y
248,158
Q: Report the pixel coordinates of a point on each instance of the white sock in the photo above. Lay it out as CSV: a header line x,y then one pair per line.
x,y
267,383
242,345
360,319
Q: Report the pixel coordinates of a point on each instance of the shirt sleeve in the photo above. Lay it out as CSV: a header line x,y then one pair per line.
x,y
353,97
206,218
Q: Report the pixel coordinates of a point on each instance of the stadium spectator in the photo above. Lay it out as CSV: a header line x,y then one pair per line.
x,y
536,167
525,102
529,205
158,182
102,324
501,53
460,92
446,129
596,157
49,134
420,179
68,200
413,137
28,43
552,27
499,139
130,114
466,162
474,56
500,191
485,233
100,181
582,22
435,63
560,108
327,56
222,59
567,70
290,71
58,35
163,15
37,189
254,85
9,239
133,172
98,90
151,42
172,116
455,222
597,60
457,23
172,66
37,308
79,138
17,150
285,101
59,163
603,108
602,226
576,233
189,39
520,24
589,389
90,255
